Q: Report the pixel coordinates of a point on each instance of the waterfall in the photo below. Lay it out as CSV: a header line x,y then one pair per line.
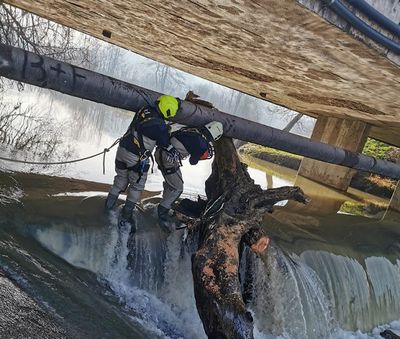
x,y
289,299
362,294
313,294
149,270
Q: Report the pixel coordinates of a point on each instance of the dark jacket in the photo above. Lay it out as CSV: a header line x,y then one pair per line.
x,y
148,125
195,144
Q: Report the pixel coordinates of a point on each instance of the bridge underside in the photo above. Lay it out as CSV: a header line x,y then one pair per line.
x,y
272,49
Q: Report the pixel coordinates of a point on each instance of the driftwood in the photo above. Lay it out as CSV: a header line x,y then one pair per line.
x,y
193,97
233,214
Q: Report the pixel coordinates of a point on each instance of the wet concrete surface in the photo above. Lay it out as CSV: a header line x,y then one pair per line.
x,y
21,317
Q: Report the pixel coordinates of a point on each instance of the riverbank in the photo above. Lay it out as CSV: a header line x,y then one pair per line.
x,y
363,181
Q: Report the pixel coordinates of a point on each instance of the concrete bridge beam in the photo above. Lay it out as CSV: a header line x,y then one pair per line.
x,y
348,134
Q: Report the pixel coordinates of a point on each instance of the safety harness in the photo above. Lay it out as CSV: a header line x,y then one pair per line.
x,y
197,131
136,144
165,170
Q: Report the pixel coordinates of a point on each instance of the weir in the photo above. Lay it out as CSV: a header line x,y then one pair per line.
x,y
304,294
45,72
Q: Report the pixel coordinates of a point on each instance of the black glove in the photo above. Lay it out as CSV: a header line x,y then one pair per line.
x,y
193,160
173,156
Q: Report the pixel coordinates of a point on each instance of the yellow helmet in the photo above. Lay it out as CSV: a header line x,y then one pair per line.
x,y
168,106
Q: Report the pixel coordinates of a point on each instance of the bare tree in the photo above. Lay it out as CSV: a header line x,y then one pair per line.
x,y
108,60
28,31
166,78
22,128
293,122
25,130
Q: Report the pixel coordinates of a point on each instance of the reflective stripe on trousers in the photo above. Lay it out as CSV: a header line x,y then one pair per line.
x,y
125,178
173,183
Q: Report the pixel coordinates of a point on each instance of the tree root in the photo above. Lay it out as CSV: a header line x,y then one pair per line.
x,y
232,215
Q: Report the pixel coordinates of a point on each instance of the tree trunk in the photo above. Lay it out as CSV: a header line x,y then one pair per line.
x,y
234,213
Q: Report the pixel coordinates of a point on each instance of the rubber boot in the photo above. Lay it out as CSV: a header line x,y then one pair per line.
x,y
164,219
163,213
110,201
127,210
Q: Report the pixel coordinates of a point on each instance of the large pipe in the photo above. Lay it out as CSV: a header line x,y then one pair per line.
x,y
374,15
45,72
360,25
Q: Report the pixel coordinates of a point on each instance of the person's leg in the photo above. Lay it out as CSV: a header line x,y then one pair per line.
x,y
173,188
173,184
136,187
120,183
124,160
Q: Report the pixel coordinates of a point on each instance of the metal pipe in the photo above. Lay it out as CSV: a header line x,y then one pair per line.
x,y
45,72
360,25
376,16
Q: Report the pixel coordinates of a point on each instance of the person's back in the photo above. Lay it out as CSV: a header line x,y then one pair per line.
x,y
147,129
191,143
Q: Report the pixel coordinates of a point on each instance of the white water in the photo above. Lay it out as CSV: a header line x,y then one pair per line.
x,y
361,295
165,306
290,300
315,295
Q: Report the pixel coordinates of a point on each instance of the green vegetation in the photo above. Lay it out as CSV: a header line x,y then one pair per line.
x,y
373,148
377,149
365,207
251,149
354,208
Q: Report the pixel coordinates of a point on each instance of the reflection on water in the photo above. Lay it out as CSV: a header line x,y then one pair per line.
x,y
324,200
87,128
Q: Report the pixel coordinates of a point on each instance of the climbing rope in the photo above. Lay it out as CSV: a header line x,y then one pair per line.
x,y
67,161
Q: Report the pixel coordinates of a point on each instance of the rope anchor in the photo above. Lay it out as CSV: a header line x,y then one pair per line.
x,y
105,150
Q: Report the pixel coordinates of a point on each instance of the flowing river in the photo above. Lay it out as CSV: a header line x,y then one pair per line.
x,y
327,274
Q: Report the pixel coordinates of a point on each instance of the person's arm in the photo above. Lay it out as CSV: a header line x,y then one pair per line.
x,y
195,146
159,131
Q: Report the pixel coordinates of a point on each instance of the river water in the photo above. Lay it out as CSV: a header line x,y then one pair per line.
x,y
327,274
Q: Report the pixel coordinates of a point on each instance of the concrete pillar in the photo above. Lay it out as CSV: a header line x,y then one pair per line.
x,y
348,134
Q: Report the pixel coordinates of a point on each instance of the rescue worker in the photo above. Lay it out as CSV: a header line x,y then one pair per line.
x,y
195,143
147,129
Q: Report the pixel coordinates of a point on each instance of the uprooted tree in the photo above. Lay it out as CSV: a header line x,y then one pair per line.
x,y
231,215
